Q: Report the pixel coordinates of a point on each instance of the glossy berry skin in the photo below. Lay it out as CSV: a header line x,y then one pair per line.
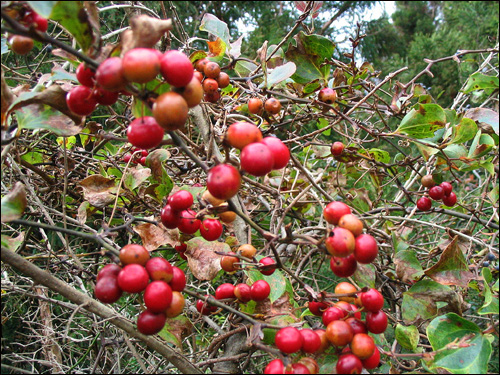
x,y
105,97
134,254
228,263
111,269
223,80
349,364
362,346
357,325
200,64
181,200
192,92
247,250
242,133
298,368
189,224
224,291
311,342
376,322
178,282
331,314
170,111
365,249
85,76
288,340
334,211
272,106
107,289
424,204
337,148
42,24
210,85
21,45
159,269
176,306
211,97
340,243
223,181
243,293
158,296
141,65
372,300
255,105
133,278
176,68
344,288
276,366
281,153
436,193
327,95
170,218
339,333
256,159
351,223
343,267
373,361
317,307
205,308
144,132
310,364
260,290
211,229
447,188
267,261
428,181
150,323
450,200
211,69
109,74
81,101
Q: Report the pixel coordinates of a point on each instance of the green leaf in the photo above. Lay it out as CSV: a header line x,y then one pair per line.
x,y
14,203
308,54
464,131
276,281
419,302
321,123
423,121
214,26
490,305
365,275
280,73
134,177
44,117
377,154
481,145
13,244
479,81
407,336
73,16
473,358
408,267
244,68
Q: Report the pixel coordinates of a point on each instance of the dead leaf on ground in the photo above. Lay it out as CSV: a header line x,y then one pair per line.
x,y
98,190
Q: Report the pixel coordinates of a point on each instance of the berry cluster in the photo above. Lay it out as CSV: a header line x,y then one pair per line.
x,y
230,263
271,106
138,156
258,291
347,244
161,282
177,213
31,19
443,192
305,365
208,73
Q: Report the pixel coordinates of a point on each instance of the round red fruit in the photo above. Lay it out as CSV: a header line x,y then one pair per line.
x,y
317,307
133,278
339,333
362,346
107,289
334,211
424,204
450,200
109,75
340,243
81,101
159,269
181,200
288,340
141,65
276,366
158,296
372,300
170,111
134,254
376,322
256,159
272,106
176,68
260,290
105,97
349,364
327,95
243,293
178,282
337,148
447,188
281,153
255,105
365,249
343,267
85,75
267,261
311,342
144,132
189,224
241,134
111,269
331,314
211,69
205,308
170,218
373,361
211,229
149,323
223,181
224,291
436,193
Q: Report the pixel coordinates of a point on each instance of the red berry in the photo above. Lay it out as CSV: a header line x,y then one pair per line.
x,y
334,211
170,111
133,278
349,364
436,193
276,366
223,181
317,307
170,218
357,325
241,134
134,254
260,290
107,289
288,340
373,361
272,106
424,204
281,153
243,293
105,97
205,308
158,296
111,269
255,105
365,249
339,333
340,243
267,261
81,101
311,342
257,159
447,188
337,148
211,229
224,291
159,269
189,224
362,346
144,132
327,95
450,200
372,300
141,65
109,74
376,322
343,267
178,282
181,200
210,86
298,368
149,323
211,69
176,68
85,75
331,314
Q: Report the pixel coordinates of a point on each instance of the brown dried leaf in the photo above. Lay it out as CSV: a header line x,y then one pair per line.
x,y
98,190
14,203
203,262
7,99
153,236
145,32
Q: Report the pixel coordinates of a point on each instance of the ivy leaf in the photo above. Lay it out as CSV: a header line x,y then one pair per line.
x,y
423,121
471,358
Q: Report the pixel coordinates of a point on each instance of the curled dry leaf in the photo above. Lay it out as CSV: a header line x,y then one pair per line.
x,y
98,190
153,236
14,203
145,31
203,262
